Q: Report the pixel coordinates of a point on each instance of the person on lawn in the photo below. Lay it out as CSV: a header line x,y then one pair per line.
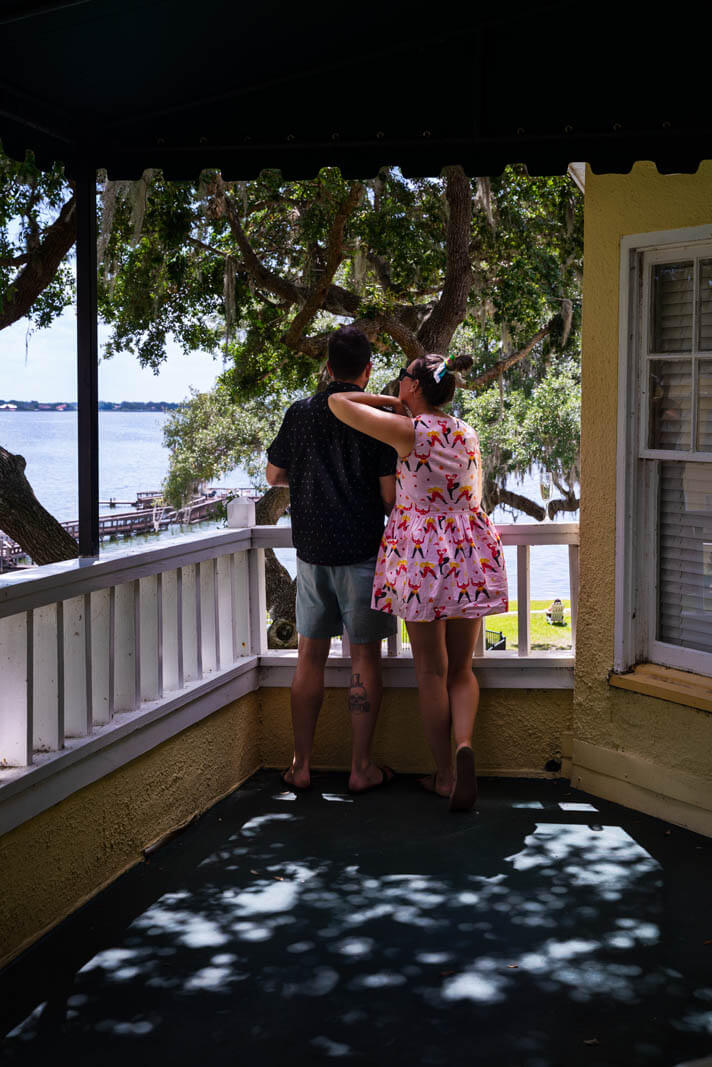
x,y
341,485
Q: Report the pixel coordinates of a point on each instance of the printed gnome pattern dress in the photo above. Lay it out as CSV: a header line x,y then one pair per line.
x,y
440,556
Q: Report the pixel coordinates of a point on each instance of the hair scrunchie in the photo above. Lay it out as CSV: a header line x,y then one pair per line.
x,y
446,365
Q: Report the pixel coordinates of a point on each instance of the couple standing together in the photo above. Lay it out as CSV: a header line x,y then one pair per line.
x,y
348,457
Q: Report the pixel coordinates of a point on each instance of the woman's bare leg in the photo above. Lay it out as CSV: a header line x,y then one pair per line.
x,y
464,694
430,659
462,686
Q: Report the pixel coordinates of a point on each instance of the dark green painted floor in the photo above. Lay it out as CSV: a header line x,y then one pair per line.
x,y
547,928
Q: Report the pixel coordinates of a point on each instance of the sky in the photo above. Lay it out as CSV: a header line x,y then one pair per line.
x,y
47,372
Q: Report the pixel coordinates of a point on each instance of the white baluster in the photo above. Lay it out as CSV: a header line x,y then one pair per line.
x,y
240,599
257,601
223,600
125,618
77,707
395,642
480,643
574,589
523,598
100,623
15,690
206,577
150,637
47,708
171,642
190,615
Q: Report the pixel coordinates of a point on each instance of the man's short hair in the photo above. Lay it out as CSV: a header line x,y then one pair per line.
x,y
349,353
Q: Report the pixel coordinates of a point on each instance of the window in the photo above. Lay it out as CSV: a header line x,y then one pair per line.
x,y
664,535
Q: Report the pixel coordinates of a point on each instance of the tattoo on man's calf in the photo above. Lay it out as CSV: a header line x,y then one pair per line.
x,y
359,703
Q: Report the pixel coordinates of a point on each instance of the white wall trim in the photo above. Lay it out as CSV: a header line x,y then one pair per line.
x,y
665,792
497,670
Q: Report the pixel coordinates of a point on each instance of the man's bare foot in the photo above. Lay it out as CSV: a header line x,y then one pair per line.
x,y
372,777
434,783
297,778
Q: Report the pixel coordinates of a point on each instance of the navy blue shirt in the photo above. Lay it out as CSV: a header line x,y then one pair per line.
x,y
336,504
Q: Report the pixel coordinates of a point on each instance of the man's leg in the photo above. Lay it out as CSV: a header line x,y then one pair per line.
x,y
364,702
306,696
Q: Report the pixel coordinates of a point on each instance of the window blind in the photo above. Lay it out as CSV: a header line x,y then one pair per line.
x,y
672,307
685,555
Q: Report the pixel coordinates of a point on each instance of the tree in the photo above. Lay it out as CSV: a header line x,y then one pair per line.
x,y
37,231
264,270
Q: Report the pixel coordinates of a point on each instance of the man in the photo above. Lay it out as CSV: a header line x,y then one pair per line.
x,y
341,482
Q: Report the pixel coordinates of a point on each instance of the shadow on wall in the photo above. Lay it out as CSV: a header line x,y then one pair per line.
x,y
536,931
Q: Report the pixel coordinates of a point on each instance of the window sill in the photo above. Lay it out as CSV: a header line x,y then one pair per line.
x,y
666,683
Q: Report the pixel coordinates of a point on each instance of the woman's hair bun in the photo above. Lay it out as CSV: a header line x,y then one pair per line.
x,y
462,362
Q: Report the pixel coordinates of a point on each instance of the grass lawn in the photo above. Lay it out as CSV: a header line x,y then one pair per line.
x,y
542,635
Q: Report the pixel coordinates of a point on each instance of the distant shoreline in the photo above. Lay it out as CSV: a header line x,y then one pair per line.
x,y
158,407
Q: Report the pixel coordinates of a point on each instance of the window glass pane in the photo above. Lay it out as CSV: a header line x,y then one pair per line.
x,y
685,555
705,312
672,307
669,389
704,406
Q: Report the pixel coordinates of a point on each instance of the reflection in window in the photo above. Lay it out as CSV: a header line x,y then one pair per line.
x,y
670,388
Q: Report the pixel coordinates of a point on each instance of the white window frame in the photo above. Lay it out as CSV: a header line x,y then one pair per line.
x,y
636,518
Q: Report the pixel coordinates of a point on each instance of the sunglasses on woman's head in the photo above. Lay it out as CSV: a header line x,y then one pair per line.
x,y
405,373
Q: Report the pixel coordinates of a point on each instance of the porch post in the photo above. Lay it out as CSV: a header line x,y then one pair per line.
x,y
87,363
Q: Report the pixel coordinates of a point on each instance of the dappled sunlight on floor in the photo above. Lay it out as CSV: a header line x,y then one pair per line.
x,y
545,928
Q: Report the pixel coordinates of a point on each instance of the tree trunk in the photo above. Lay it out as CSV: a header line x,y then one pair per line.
x,y
23,518
281,589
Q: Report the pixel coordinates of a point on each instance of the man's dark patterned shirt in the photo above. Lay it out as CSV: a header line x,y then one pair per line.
x,y
334,470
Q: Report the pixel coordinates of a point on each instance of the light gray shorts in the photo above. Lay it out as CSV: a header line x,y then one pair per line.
x,y
331,598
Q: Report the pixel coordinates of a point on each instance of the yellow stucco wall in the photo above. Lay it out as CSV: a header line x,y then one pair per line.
x,y
676,738
517,731
56,861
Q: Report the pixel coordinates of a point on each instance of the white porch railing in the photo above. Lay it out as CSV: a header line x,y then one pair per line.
x,y
92,652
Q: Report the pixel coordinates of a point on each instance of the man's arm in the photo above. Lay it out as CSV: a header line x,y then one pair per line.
x,y
278,476
388,491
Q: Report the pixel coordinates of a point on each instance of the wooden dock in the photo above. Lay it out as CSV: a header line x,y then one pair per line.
x,y
149,516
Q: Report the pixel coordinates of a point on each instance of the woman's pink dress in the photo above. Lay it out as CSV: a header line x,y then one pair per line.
x,y
440,556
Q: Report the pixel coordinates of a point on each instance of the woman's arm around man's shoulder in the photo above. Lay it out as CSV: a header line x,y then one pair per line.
x,y
365,412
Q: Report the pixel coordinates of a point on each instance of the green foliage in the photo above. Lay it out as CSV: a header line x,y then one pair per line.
x,y
539,425
172,266
210,436
30,200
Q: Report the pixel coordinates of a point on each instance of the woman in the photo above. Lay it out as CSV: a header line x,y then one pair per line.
x,y
440,566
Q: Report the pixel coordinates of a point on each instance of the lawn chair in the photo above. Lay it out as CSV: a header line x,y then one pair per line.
x,y
555,613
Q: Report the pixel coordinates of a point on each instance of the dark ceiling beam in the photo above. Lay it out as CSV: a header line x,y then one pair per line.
x,y
22,13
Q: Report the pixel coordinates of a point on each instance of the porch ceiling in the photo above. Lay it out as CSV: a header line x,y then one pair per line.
x,y
548,927
128,84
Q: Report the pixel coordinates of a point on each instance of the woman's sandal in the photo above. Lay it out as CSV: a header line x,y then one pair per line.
x,y
464,794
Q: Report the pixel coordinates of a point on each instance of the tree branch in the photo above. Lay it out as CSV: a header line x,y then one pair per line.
x,y
499,495
503,365
568,503
334,255
42,265
266,278
436,332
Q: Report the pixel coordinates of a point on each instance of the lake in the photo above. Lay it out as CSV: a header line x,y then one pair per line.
x,y
132,458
